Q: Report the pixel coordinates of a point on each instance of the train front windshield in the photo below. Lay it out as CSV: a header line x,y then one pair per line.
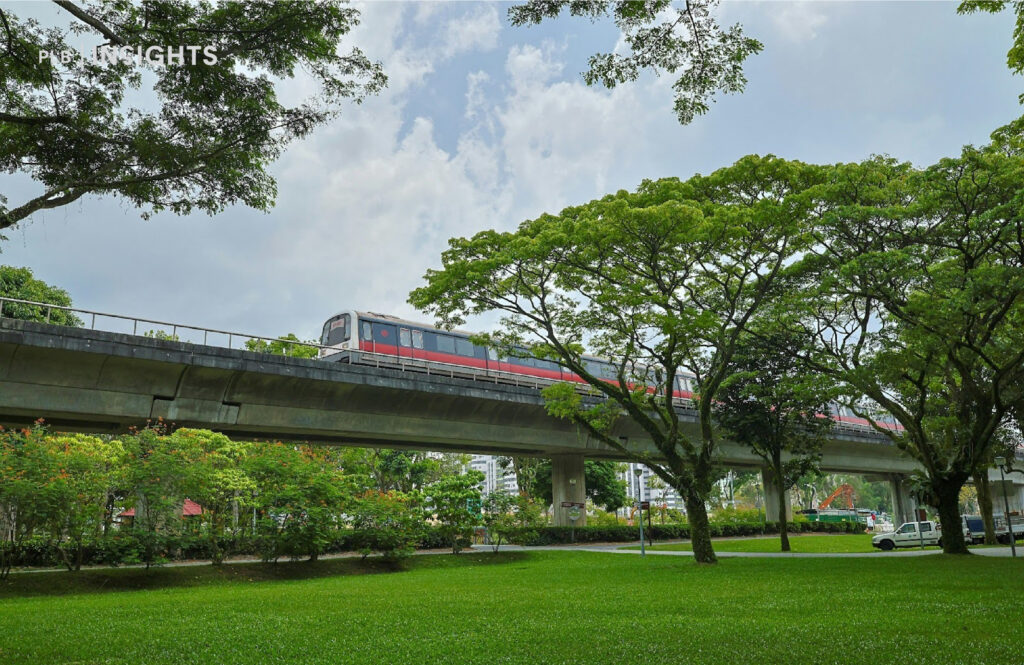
x,y
336,330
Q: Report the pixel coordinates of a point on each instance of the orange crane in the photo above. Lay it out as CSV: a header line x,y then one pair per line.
x,y
845,491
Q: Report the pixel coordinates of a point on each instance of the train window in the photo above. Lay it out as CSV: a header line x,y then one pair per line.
x,y
404,337
367,334
417,339
336,330
492,355
464,347
445,344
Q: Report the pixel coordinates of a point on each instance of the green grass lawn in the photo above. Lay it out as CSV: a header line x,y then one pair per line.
x,y
525,607
846,542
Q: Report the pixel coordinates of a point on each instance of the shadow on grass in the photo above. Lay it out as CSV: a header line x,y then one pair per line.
x,y
60,583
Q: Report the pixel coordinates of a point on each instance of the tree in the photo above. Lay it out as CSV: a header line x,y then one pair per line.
x,y
84,469
772,406
157,482
401,470
660,36
289,345
387,522
218,482
68,122
658,281
279,472
913,294
499,517
455,502
18,283
29,495
321,498
601,478
525,470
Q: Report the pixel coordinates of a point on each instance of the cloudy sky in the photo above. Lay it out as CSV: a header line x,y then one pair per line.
x,y
484,125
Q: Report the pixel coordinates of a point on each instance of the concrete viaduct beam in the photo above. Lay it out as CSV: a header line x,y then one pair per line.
x,y
98,381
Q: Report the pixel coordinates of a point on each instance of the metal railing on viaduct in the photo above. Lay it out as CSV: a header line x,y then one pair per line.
x,y
103,375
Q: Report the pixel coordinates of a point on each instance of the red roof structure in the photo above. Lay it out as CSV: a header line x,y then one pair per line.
x,y
188,509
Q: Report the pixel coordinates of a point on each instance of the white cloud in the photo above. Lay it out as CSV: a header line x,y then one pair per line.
x,y
368,203
797,21
564,142
530,67
473,31
475,97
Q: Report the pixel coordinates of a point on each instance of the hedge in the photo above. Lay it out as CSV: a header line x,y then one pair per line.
x,y
557,535
122,548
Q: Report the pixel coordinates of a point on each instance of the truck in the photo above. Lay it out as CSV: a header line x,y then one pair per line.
x,y
974,528
909,536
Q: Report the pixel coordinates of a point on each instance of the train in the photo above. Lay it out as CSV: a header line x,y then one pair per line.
x,y
376,333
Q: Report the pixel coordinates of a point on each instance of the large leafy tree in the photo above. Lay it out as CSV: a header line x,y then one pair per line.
x,y
914,294
18,283
658,281
77,128
660,36
774,407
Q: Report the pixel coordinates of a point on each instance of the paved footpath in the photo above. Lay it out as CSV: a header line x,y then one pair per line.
x,y
618,549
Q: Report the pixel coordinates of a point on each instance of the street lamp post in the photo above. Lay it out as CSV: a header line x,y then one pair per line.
x,y
637,471
1001,462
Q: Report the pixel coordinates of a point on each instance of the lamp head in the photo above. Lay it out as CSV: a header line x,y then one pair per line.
x,y
1000,461
637,471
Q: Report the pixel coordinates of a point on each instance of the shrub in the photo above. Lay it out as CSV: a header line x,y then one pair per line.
x,y
455,502
391,524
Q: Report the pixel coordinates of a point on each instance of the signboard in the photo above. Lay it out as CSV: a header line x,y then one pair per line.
x,y
571,504
574,513
645,505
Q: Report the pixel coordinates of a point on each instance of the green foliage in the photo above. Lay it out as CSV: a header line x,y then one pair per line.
x,y
505,515
156,481
74,127
402,471
913,297
162,335
774,406
219,484
284,346
389,523
601,478
603,518
659,280
19,283
661,37
455,502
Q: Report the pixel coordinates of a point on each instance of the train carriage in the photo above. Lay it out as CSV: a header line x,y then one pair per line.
x,y
375,333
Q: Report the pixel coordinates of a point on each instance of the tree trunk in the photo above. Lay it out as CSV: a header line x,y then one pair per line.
x,y
985,504
700,529
949,518
783,523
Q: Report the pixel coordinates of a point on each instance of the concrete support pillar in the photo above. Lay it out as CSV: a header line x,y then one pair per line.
x,y
771,498
902,502
568,484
